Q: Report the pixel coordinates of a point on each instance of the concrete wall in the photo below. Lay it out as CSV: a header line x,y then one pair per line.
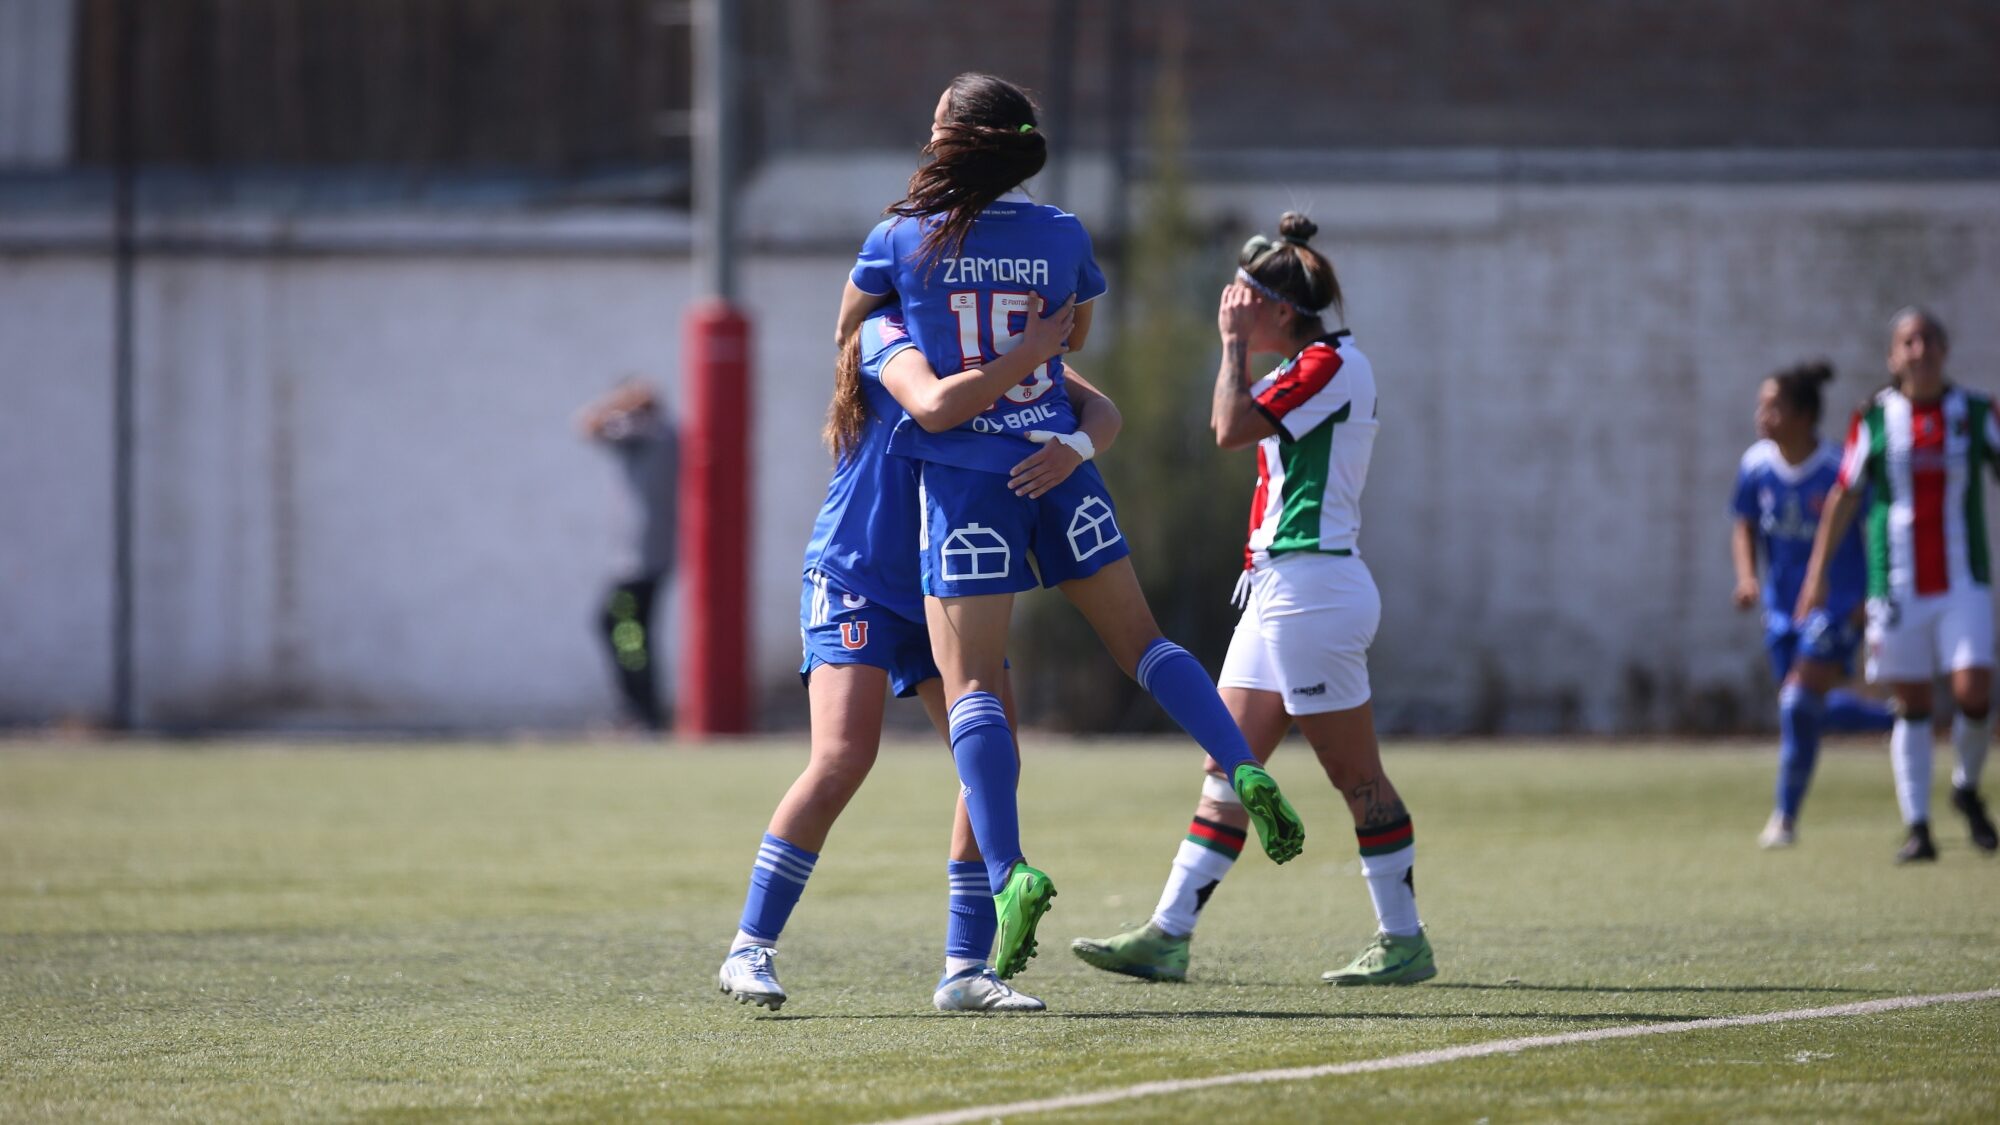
x,y
360,501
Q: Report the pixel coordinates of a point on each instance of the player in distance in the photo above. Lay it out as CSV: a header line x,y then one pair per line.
x,y
1781,490
1913,460
861,622
1310,609
970,258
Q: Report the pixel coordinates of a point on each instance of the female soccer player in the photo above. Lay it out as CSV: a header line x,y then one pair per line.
x,y
1914,455
1781,487
1300,652
967,255
861,619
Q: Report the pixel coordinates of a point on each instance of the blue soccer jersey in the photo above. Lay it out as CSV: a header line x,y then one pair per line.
x,y
866,539
965,310
1783,502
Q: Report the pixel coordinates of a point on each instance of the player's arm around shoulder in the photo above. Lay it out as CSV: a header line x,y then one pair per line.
x,y
940,404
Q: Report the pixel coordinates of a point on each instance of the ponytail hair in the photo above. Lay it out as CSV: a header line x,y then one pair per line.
x,y
987,145
1291,270
1799,387
848,411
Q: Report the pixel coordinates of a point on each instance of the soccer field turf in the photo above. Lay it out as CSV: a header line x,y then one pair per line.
x,y
242,933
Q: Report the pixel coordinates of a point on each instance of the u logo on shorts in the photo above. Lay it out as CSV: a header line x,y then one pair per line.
x,y
854,634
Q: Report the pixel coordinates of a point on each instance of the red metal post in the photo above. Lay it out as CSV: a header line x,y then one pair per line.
x,y
714,664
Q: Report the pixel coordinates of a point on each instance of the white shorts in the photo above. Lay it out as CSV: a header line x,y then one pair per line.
x,y
1305,633
1914,641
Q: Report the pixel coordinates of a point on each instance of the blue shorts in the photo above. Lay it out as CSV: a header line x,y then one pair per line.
x,y
842,628
978,535
1823,638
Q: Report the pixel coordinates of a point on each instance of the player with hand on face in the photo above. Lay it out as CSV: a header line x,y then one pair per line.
x,y
1310,609
1914,458
861,619
1781,489
969,256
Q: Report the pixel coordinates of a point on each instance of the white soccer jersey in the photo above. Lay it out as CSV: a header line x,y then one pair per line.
x,y
1927,513
1310,473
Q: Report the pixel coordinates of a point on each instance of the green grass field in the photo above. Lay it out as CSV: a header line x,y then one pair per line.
x,y
383,933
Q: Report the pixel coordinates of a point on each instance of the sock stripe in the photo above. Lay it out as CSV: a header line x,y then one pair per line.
x,y
1231,849
1386,838
1162,649
779,872
1221,828
975,709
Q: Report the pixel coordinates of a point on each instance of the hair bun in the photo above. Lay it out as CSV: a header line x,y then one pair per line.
x,y
1818,371
1294,227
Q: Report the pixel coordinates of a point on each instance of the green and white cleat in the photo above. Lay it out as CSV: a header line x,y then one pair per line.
x,y
1389,960
1020,905
1278,825
1148,952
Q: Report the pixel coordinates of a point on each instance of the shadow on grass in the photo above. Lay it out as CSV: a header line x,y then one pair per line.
x,y
1248,1014
1662,988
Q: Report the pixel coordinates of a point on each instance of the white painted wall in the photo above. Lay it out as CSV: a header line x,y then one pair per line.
x,y
360,500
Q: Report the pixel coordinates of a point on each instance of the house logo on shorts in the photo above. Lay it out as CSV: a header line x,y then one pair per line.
x,y
973,552
1091,528
1316,689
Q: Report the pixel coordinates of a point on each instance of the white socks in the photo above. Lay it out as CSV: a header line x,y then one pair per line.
x,y
1970,739
1910,756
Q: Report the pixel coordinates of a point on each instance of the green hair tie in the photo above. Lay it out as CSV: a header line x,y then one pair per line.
x,y
1027,128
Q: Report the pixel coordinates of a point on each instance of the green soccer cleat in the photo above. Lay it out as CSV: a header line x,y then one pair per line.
x,y
1278,825
1389,960
1147,952
1020,905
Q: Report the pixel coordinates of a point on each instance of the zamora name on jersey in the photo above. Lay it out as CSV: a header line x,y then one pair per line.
x,y
980,271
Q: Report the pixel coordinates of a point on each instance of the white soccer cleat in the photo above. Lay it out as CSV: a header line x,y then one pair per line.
x,y
982,990
748,975
1778,833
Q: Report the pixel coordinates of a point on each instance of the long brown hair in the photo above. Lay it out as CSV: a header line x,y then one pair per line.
x,y
989,142
1293,269
848,411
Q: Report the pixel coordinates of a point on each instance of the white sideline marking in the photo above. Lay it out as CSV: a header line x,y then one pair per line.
x,y
1432,1058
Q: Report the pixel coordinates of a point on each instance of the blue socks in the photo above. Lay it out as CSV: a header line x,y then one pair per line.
x,y
1182,687
776,881
1800,713
983,749
972,924
1846,711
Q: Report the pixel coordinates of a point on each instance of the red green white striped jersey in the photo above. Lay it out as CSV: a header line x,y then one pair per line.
x,y
1926,513
1310,473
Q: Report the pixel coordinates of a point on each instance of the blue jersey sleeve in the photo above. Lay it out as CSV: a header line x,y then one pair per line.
x,y
875,266
883,334
1089,279
1743,504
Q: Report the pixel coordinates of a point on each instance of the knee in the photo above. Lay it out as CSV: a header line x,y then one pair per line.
x,y
1348,776
840,773
1975,706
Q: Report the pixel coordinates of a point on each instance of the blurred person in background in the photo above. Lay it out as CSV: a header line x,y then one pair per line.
x,y
1310,609
630,422
1781,489
1914,456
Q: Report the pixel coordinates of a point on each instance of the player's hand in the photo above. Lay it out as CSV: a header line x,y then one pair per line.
x,y
1048,336
1237,311
1045,468
1747,593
